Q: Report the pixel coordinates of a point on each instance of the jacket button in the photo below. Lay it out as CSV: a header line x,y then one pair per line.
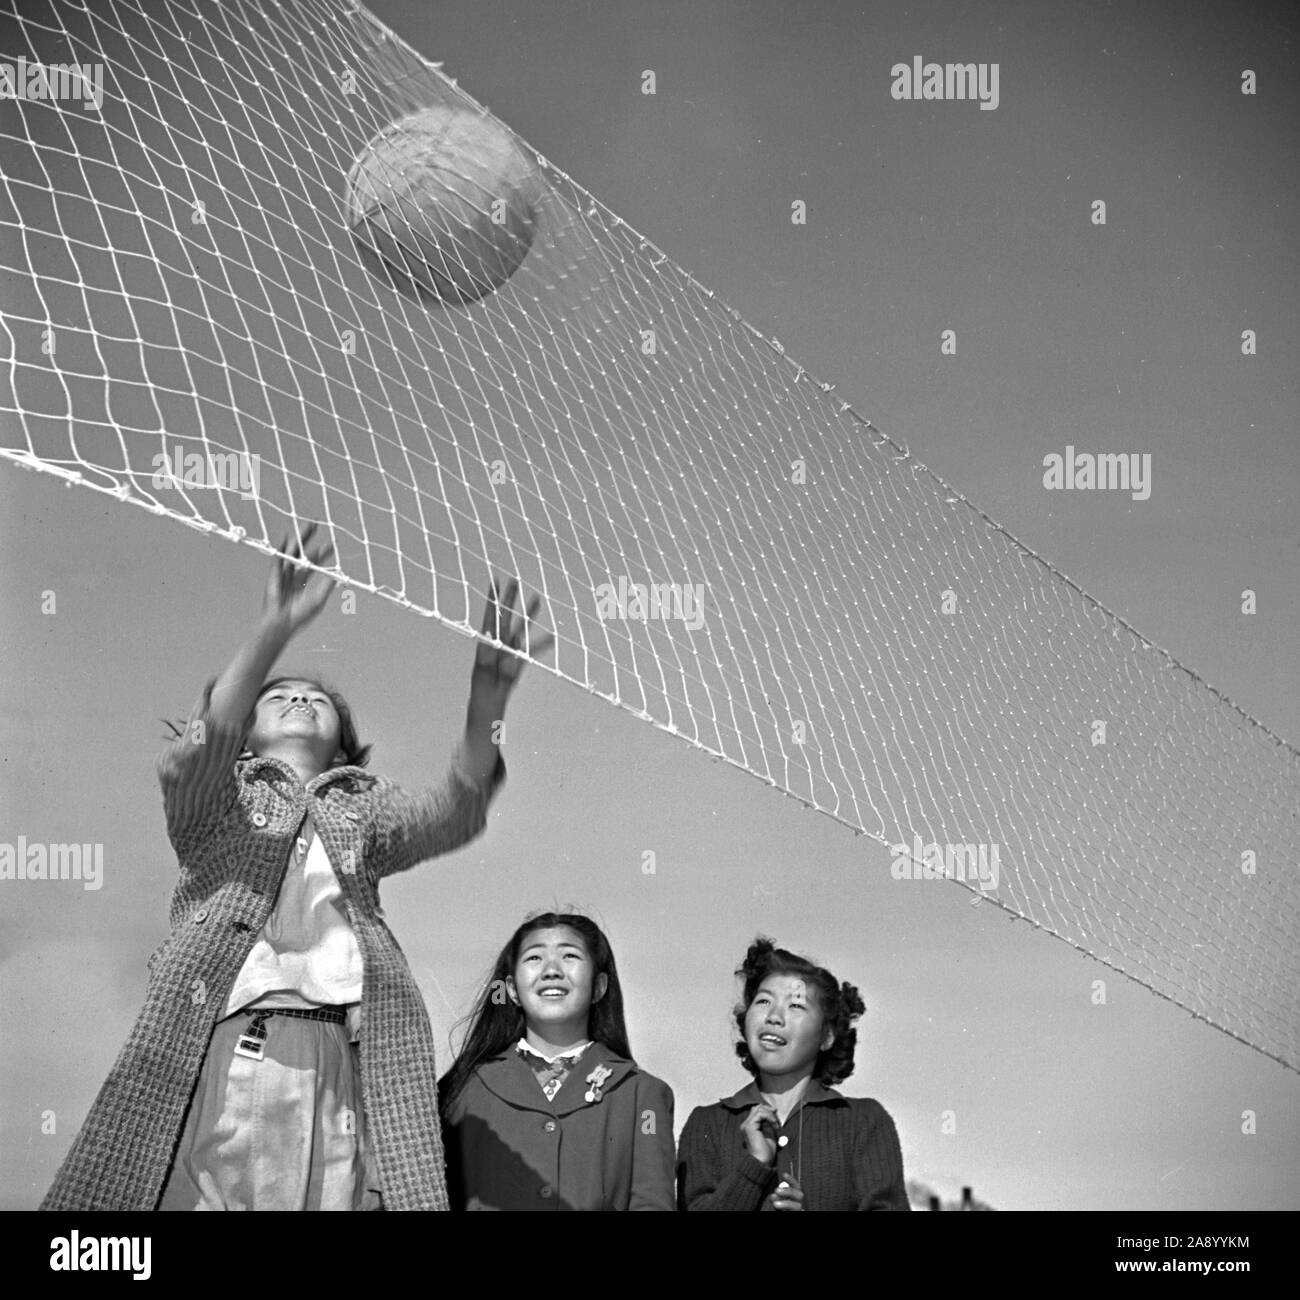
x,y
546,1193
783,1141
200,916
259,819
549,1126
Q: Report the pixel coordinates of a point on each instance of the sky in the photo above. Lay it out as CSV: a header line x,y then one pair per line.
x,y
921,215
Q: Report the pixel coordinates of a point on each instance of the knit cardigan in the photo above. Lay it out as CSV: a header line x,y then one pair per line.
x,y
232,823
845,1151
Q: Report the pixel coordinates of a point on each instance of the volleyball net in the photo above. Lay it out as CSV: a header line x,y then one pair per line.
x,y
723,547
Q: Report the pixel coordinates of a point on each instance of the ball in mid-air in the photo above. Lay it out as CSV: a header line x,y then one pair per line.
x,y
444,204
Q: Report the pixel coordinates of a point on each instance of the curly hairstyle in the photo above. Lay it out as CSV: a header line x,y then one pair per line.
x,y
840,1005
496,1023
354,753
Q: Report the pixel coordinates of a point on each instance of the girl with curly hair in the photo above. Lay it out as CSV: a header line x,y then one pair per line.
x,y
789,1140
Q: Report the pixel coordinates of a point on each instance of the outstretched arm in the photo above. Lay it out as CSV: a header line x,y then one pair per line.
x,y
291,601
197,770
416,825
496,673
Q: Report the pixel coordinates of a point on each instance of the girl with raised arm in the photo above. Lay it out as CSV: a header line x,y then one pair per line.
x,y
789,1140
284,1058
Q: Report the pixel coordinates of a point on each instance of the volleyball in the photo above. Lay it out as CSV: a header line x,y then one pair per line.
x,y
443,204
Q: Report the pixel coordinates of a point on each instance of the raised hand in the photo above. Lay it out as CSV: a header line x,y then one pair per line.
x,y
496,671
495,668
788,1195
293,596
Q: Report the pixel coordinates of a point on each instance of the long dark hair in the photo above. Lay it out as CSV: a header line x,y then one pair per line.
x,y
840,1004
354,753
496,1023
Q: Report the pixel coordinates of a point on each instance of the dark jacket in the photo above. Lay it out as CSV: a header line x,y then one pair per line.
x,y
232,824
508,1148
843,1152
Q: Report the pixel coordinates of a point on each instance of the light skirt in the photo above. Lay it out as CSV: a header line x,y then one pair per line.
x,y
283,1133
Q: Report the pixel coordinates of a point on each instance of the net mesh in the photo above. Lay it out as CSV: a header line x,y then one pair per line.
x,y
179,282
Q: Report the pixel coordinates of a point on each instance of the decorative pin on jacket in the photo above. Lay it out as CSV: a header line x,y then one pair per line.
x,y
597,1080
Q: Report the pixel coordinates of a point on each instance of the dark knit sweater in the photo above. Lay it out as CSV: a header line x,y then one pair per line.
x,y
847,1157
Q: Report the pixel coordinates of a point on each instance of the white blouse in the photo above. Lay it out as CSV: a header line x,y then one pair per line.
x,y
306,954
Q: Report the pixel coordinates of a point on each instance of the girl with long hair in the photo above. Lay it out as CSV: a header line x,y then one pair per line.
x,y
545,1108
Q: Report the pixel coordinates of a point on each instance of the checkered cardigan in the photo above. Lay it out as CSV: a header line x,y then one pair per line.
x,y
232,823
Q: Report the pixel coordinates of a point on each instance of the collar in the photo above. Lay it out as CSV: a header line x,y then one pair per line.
x,y
351,777
814,1093
509,1076
575,1053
